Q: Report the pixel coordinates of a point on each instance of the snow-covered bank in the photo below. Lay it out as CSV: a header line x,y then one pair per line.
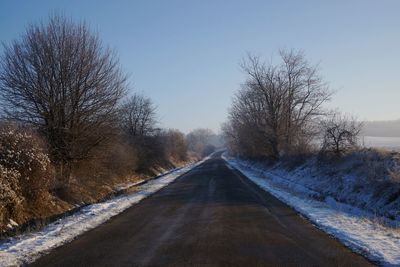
x,y
350,225
28,247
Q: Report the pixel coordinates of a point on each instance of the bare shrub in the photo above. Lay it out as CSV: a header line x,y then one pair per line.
x,y
119,158
11,199
21,150
175,145
116,158
340,134
25,173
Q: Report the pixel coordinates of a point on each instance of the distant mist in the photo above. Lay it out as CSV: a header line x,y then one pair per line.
x,y
382,128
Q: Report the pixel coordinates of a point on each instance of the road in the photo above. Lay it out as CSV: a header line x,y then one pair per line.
x,y
211,216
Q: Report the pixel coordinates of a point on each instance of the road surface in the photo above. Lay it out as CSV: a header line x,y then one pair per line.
x,y
211,216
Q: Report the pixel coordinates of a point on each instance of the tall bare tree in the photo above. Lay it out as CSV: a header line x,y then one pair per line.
x,y
59,77
138,121
138,116
276,106
305,92
264,101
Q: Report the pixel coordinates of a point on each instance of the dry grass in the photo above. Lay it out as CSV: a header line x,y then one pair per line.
x,y
29,193
25,175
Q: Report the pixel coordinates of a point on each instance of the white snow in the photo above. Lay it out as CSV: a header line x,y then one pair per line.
x,y
390,143
353,227
28,247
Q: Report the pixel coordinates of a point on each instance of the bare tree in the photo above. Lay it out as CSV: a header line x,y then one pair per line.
x,y
340,133
138,121
305,92
138,116
60,78
262,99
248,125
276,106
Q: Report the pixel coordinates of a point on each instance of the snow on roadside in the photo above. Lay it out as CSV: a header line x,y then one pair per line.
x,y
378,243
28,247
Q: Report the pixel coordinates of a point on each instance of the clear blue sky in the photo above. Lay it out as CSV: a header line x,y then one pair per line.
x,y
185,54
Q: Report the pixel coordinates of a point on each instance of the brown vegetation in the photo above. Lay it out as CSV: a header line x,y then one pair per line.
x,y
60,78
74,138
26,174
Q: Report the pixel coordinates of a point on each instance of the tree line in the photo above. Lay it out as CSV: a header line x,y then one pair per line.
x,y
67,111
279,111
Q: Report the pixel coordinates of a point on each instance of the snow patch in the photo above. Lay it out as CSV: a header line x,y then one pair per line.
x,y
352,226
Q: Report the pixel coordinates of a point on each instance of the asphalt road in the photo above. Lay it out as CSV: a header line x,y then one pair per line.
x,y
211,216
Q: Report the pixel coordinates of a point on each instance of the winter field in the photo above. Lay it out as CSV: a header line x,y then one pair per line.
x,y
26,248
378,239
388,143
